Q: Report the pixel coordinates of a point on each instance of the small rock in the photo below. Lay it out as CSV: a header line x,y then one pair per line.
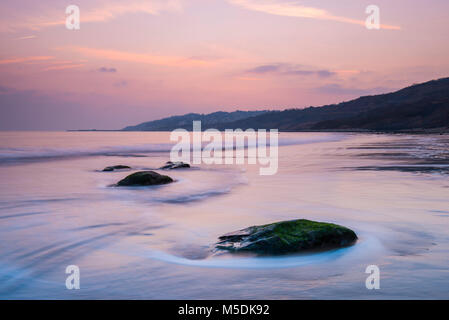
x,y
119,167
144,178
175,165
287,237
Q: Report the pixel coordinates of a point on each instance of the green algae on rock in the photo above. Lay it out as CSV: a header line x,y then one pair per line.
x,y
287,237
169,165
144,178
118,167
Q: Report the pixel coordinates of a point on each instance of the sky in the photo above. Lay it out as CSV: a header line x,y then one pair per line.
x,y
139,60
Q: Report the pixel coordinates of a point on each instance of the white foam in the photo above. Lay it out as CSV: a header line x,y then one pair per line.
x,y
367,247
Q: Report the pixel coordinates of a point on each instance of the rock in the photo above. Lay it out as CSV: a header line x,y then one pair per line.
x,y
175,165
113,168
287,237
144,178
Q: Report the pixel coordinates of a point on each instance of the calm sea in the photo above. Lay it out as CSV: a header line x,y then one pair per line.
x,y
57,209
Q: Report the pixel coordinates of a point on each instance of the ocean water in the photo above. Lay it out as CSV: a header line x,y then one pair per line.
x,y
57,209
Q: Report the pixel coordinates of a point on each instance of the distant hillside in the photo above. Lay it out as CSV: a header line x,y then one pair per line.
x,y
422,114
185,121
421,106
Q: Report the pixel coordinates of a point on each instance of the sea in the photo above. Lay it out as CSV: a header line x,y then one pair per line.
x,y
59,209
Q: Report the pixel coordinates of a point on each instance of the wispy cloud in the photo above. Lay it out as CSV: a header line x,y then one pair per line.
x,y
115,55
64,67
121,84
289,69
291,9
113,10
269,68
25,59
26,37
337,89
107,70
90,12
45,63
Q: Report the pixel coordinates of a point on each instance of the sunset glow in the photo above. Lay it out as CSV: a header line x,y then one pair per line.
x,y
180,56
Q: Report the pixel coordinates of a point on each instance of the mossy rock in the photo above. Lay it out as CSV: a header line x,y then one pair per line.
x,y
287,237
113,168
144,178
175,165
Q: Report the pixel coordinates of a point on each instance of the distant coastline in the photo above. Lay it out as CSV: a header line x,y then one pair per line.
x,y
420,109
414,131
93,130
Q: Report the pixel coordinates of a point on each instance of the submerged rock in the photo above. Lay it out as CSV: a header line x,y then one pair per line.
x,y
287,237
119,167
144,178
175,165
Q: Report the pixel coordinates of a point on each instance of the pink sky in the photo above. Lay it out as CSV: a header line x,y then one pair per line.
x,y
140,60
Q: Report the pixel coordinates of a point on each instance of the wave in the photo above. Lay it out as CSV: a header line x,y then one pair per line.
x,y
184,190
196,196
368,246
14,154
29,154
316,139
180,198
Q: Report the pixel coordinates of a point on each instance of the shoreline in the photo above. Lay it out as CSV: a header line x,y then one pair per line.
x,y
405,131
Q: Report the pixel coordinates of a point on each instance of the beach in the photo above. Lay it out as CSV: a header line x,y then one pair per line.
x,y
58,208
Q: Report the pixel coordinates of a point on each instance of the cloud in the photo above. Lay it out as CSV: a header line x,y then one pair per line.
x,y
265,69
142,58
337,89
25,59
289,9
64,67
289,69
319,73
49,63
90,11
107,70
120,84
26,37
113,10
